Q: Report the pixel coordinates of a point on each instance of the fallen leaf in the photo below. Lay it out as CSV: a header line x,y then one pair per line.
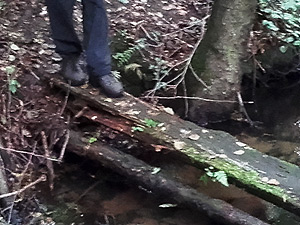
x,y
169,7
273,182
26,133
85,86
241,144
239,152
169,110
223,156
11,58
265,179
167,205
178,145
155,170
108,100
133,112
194,137
182,12
14,47
158,148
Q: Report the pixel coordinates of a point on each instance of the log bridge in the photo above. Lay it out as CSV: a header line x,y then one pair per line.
x,y
265,176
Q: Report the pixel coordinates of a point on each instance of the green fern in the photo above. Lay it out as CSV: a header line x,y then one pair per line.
x,y
123,58
219,176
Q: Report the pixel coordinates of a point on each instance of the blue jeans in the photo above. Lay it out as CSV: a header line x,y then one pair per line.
x,y
95,32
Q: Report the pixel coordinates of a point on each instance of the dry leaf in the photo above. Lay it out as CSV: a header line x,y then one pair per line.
x,y
158,148
273,182
169,7
182,12
133,112
194,137
169,110
241,144
239,152
178,145
108,100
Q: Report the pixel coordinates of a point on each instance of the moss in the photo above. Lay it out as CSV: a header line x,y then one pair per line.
x,y
250,179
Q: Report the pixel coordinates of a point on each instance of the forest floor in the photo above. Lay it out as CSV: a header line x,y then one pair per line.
x,y
32,118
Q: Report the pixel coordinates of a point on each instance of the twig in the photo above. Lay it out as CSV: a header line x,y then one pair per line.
x,y
81,112
243,109
198,98
48,163
20,182
64,146
146,32
188,61
28,153
194,23
63,149
65,102
9,144
197,77
186,102
40,179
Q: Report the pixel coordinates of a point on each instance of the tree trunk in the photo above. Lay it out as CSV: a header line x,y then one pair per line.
x,y
220,59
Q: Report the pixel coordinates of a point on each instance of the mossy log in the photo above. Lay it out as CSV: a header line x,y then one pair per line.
x,y
267,177
159,183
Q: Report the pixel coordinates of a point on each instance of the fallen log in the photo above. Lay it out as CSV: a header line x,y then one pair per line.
x,y
159,183
264,176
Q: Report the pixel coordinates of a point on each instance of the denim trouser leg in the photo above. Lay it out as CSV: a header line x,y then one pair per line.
x,y
61,22
95,25
96,40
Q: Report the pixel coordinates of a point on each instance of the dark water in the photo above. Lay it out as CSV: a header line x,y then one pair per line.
x,y
86,194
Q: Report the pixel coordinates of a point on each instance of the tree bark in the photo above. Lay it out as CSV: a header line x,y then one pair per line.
x,y
220,59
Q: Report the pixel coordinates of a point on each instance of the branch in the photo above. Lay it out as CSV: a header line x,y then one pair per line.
x,y
40,179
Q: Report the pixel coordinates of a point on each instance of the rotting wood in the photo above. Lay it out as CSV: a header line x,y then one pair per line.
x,y
158,183
245,166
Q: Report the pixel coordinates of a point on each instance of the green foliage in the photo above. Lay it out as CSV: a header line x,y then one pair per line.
x,y
2,5
282,20
151,123
167,205
10,70
92,140
155,170
123,58
124,1
159,68
219,176
139,129
13,85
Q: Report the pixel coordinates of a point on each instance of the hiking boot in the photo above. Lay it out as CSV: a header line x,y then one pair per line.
x,y
108,84
72,71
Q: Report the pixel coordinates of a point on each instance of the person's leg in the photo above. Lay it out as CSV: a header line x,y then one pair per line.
x,y
61,23
96,43
65,38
